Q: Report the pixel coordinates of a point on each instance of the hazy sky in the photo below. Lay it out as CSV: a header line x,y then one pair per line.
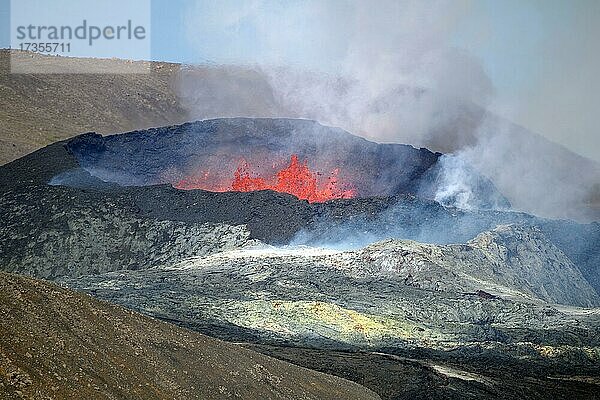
x,y
541,56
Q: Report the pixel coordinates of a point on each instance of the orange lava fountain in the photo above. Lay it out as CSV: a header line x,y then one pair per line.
x,y
296,179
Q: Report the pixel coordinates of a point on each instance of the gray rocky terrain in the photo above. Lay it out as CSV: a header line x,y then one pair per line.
x,y
428,305
390,291
393,293
77,242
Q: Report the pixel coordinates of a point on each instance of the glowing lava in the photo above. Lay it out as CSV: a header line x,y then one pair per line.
x,y
296,179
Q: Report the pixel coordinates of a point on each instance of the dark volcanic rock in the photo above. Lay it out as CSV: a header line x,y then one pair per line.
x,y
442,375
165,155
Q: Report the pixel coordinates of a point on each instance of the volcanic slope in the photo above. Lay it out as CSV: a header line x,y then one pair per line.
x,y
208,152
60,344
95,226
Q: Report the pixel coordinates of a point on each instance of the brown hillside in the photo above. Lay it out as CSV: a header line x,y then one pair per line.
x,y
39,109
60,344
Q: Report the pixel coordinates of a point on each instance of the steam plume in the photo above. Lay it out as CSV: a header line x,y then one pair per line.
x,y
388,73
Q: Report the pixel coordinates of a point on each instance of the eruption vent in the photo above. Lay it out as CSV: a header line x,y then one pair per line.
x,y
250,154
296,179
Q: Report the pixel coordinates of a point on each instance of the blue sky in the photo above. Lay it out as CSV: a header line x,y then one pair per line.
x,y
526,47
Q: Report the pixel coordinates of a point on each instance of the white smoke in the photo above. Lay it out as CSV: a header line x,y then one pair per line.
x,y
456,184
388,73
368,69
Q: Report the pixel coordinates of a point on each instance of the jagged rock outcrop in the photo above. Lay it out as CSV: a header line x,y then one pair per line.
x,y
395,293
88,240
512,260
524,259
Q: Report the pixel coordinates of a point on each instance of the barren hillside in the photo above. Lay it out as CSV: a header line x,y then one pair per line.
x,y
55,343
